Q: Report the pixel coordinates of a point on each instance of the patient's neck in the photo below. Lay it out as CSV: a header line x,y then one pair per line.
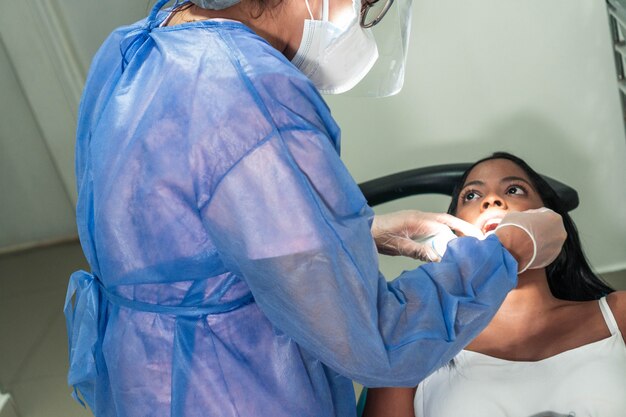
x,y
524,314
531,296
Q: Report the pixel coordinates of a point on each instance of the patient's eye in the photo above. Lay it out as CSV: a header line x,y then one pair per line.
x,y
469,195
516,190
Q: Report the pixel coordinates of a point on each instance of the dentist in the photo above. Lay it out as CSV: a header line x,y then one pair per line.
x,y
233,258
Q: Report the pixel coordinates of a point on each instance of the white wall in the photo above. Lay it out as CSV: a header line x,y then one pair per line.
x,y
45,50
33,203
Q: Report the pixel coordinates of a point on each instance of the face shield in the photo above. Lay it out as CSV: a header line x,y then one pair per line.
x,y
392,38
387,21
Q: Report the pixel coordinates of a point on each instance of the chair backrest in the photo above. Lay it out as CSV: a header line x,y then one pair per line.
x,y
439,179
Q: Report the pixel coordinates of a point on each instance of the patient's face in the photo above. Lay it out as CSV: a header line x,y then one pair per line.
x,y
492,189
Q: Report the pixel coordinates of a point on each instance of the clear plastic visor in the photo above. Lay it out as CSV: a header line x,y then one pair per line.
x,y
392,33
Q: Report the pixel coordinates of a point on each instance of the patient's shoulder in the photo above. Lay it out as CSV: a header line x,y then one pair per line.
x,y
617,302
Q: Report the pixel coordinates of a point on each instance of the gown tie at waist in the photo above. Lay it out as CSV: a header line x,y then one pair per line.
x,y
81,319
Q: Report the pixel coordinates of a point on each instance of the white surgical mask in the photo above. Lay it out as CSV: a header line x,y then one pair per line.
x,y
335,58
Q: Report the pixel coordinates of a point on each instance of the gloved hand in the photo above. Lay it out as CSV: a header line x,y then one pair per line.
x,y
546,231
407,233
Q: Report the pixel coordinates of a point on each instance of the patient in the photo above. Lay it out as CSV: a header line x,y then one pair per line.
x,y
554,348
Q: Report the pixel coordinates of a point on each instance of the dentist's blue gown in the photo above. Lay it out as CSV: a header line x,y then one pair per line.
x,y
233,272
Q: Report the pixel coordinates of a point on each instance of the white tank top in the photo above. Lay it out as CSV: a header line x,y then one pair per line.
x,y
586,381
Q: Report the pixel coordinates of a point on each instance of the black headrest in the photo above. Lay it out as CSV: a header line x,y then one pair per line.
x,y
439,179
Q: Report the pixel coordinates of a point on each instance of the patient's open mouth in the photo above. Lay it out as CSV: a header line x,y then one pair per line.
x,y
491,225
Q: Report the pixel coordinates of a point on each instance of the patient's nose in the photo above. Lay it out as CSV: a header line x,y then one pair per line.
x,y
493,201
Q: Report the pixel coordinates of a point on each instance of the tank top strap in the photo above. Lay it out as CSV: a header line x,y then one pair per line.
x,y
609,318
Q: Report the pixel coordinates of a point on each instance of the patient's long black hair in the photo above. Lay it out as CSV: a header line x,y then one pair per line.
x,y
570,277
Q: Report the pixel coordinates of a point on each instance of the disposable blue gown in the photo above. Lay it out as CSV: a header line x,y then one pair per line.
x,y
233,272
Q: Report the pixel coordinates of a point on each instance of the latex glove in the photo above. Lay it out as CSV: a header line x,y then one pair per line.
x,y
407,233
546,231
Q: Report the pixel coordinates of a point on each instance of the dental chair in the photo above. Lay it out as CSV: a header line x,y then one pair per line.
x,y
438,179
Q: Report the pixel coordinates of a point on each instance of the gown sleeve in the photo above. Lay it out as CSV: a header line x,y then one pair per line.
x,y
289,219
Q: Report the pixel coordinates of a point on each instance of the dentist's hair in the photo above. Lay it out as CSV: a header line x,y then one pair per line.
x,y
570,277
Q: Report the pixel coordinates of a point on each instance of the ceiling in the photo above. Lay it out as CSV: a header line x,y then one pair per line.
x,y
536,78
